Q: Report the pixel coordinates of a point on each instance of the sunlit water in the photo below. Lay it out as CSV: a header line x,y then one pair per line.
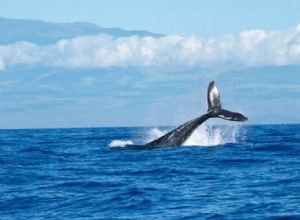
x,y
228,172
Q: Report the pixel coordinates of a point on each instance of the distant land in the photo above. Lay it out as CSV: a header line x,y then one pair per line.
x,y
43,33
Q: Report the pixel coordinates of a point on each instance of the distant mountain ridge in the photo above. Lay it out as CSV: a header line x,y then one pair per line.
x,y
42,33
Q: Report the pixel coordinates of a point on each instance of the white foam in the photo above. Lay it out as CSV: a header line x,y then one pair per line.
x,y
213,135
205,135
119,143
154,133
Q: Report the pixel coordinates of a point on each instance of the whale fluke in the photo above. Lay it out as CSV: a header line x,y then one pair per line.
x,y
214,105
179,135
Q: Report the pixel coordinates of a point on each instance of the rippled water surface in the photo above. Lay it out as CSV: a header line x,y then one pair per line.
x,y
246,172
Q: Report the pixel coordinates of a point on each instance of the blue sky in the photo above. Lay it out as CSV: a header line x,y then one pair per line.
x,y
251,48
190,17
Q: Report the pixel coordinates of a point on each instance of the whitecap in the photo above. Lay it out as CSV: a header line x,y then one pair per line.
x,y
120,143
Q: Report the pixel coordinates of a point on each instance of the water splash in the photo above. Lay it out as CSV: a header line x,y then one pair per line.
x,y
213,135
154,133
119,143
205,135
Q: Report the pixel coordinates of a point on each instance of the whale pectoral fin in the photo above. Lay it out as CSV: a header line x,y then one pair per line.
x,y
231,116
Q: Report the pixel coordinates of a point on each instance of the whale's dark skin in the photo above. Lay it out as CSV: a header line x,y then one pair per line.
x,y
179,135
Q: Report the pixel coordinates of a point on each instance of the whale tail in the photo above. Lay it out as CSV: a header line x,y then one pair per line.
x,y
215,107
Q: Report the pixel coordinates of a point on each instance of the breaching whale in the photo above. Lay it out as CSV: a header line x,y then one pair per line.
x,y
179,135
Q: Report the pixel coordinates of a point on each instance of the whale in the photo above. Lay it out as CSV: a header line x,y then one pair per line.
x,y
179,135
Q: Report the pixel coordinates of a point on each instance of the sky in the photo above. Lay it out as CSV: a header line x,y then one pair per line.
x,y
251,48
191,17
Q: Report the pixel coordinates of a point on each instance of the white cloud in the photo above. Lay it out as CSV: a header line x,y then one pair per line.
x,y
247,49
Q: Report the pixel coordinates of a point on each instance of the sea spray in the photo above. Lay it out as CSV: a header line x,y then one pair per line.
x,y
204,135
150,135
154,133
120,143
213,135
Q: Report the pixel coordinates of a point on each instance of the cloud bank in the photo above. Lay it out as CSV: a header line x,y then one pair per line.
x,y
249,48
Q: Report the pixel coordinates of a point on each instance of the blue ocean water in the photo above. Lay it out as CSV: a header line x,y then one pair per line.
x,y
240,172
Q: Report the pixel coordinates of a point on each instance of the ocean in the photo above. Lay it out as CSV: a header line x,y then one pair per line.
x,y
222,172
